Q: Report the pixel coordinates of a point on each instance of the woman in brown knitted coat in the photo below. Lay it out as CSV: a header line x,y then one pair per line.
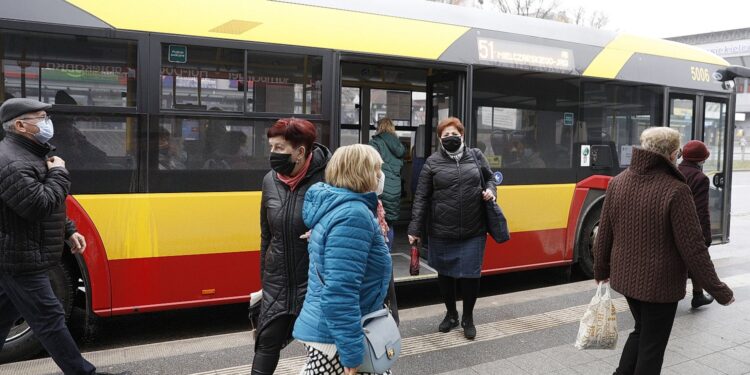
x,y
649,237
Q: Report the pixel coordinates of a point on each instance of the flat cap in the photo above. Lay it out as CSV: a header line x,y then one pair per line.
x,y
15,107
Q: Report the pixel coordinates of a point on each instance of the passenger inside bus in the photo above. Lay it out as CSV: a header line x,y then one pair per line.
x,y
231,152
72,146
169,151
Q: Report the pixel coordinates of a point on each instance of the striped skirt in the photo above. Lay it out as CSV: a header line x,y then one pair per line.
x,y
320,364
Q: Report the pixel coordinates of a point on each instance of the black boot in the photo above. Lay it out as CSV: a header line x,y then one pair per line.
x,y
470,331
700,299
449,322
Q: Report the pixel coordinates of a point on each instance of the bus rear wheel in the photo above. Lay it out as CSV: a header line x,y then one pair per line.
x,y
21,343
586,240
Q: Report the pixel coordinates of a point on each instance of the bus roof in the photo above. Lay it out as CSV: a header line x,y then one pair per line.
x,y
401,28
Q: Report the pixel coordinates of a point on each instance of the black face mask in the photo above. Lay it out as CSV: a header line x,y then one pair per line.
x,y
452,143
282,163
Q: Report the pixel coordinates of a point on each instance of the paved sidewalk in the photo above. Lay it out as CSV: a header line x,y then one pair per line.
x,y
526,332
711,340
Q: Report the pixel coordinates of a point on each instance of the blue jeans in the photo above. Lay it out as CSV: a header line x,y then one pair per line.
x,y
30,296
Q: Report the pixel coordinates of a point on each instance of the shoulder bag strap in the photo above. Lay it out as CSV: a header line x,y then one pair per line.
x,y
481,173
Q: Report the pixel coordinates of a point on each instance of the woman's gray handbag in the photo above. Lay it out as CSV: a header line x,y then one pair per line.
x,y
382,342
382,338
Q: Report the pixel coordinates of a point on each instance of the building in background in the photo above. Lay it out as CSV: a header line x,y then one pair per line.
x,y
734,46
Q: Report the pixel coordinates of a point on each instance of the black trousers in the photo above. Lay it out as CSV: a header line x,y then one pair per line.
x,y
643,353
469,294
269,343
30,296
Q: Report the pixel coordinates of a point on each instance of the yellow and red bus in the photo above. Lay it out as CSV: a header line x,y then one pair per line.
x,y
161,109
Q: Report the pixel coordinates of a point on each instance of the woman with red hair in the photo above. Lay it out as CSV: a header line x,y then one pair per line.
x,y
450,199
297,162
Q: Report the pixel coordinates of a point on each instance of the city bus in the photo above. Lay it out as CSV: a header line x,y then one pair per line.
x,y
161,110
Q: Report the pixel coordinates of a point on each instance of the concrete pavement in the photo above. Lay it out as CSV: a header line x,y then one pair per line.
x,y
528,332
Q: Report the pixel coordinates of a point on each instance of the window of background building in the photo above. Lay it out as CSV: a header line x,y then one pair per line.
x,y
210,79
89,71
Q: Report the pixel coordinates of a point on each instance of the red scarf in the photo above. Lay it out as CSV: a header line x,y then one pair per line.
x,y
292,182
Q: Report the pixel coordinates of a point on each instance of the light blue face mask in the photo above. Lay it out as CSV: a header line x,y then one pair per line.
x,y
46,131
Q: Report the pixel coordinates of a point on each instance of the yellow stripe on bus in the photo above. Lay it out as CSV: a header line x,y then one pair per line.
x,y
613,57
536,207
280,23
158,225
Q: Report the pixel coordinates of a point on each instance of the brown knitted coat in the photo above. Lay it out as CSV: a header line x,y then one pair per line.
x,y
649,235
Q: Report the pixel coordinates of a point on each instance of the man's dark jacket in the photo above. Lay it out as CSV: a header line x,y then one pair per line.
x,y
698,183
33,224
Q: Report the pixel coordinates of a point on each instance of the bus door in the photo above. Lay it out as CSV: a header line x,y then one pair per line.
x,y
445,98
415,98
705,118
682,115
714,130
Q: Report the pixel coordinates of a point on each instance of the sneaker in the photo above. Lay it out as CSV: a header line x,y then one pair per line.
x,y
470,331
701,300
449,322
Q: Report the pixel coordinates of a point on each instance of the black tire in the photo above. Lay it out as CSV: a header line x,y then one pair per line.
x,y
21,344
585,243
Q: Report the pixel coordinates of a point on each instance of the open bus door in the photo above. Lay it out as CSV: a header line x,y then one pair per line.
x,y
706,119
445,97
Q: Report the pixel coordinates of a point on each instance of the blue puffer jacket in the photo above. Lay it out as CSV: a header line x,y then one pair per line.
x,y
350,254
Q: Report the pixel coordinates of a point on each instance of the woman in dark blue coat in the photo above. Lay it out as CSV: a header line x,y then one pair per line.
x,y
449,207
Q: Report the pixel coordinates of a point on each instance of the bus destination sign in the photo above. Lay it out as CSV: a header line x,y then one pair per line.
x,y
515,54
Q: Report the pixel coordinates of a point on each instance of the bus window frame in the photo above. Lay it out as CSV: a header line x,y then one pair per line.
x,y
157,40
138,111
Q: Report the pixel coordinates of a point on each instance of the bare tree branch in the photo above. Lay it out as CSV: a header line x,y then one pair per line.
x,y
546,9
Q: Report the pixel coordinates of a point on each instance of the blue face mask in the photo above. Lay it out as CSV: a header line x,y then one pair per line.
x,y
46,131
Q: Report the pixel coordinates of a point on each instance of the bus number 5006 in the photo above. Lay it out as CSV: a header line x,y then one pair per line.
x,y
699,74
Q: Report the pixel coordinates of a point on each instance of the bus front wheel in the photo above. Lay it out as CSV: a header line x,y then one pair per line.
x,y
21,343
586,240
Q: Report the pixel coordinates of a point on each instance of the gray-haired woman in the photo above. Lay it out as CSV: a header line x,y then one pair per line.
x,y
649,237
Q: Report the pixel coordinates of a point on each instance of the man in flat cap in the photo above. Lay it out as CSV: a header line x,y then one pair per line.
x,y
33,227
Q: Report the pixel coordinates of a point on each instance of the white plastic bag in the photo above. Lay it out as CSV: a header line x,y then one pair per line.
x,y
598,329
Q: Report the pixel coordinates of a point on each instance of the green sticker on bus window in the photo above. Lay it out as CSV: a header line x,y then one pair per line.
x,y
177,54
568,119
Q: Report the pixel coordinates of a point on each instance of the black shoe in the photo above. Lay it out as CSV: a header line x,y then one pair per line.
x,y
470,331
449,322
701,300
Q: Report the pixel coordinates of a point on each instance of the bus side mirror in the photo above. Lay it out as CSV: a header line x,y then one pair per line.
x,y
601,157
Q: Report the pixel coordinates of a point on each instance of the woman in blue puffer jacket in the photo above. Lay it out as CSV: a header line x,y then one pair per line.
x,y
350,266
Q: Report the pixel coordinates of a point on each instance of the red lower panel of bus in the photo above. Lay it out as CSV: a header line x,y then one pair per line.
x,y
163,283
525,250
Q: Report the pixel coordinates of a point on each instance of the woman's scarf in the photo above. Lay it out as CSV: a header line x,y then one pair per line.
x,y
292,182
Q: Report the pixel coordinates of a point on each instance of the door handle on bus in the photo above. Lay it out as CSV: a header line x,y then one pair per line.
x,y
719,180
